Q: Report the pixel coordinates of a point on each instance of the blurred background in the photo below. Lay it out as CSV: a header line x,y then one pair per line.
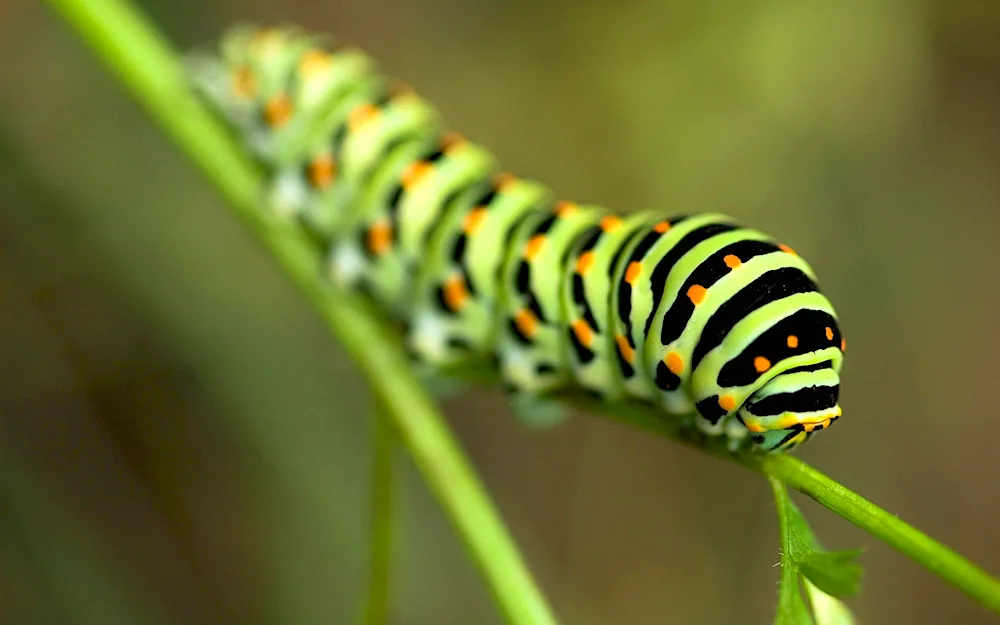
x,y
182,442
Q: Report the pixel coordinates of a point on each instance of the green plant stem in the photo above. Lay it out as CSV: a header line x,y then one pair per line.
x,y
380,549
795,473
146,64
142,59
932,554
791,608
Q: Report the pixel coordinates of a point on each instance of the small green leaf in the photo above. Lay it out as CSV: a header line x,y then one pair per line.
x,y
836,573
828,610
825,573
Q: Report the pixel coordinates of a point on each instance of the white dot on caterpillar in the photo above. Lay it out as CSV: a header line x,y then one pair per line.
x,y
288,194
429,337
347,264
712,430
516,366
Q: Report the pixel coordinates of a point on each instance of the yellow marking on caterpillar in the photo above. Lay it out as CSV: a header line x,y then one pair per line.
x,y
610,223
584,262
322,171
380,237
474,220
566,209
624,348
503,181
413,174
526,322
633,272
278,111
697,294
584,333
456,294
674,363
361,115
534,247
727,402
313,62
244,83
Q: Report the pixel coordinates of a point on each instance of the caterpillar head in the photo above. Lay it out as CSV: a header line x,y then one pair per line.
x,y
791,406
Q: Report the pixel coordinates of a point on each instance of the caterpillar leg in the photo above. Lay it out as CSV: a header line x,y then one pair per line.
x,y
346,264
285,194
538,412
440,385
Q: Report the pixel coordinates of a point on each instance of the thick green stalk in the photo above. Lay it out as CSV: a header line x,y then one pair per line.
x,y
134,50
142,59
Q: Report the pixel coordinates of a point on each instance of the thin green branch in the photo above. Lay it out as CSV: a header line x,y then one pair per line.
x,y
796,474
380,548
791,608
141,58
146,64
932,554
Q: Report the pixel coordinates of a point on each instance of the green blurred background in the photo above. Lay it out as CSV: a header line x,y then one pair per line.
x,y
182,442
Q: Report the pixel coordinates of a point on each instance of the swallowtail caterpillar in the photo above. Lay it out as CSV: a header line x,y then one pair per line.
x,y
696,314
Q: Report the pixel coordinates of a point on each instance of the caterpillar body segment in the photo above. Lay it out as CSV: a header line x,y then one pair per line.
x,y
589,296
459,291
697,314
366,251
532,345
363,129
640,276
277,86
421,183
704,266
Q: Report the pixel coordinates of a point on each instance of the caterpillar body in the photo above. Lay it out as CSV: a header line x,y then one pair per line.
x,y
696,313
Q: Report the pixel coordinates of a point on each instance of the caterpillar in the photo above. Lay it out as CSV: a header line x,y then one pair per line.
x,y
697,314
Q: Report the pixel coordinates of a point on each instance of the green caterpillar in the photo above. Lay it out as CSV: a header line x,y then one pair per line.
x,y
697,313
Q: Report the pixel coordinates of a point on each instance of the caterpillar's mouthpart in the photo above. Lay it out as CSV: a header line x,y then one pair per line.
x,y
791,407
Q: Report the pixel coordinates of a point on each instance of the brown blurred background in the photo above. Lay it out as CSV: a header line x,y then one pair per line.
x,y
181,441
